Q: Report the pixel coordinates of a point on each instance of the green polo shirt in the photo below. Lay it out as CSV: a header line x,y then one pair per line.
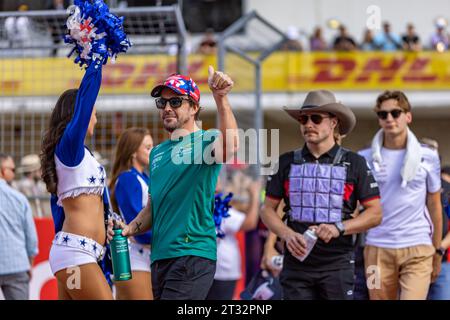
x,y
182,183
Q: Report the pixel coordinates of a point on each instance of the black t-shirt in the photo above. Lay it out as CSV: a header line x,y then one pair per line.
x,y
343,41
360,185
410,40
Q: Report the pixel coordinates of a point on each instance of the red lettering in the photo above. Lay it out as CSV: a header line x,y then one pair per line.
x,y
116,74
416,72
326,67
9,85
195,68
375,67
150,70
171,69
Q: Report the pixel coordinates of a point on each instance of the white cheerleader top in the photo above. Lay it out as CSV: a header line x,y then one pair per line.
x,y
88,177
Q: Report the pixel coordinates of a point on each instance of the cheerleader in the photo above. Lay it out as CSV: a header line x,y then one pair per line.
x,y
77,183
129,185
72,175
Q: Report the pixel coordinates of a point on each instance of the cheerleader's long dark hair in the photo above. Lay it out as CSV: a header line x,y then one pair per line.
x,y
59,119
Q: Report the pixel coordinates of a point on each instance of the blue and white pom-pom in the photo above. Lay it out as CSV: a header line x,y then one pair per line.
x,y
95,32
221,207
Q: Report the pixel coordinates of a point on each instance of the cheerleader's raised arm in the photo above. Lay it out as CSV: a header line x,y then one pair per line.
x,y
70,149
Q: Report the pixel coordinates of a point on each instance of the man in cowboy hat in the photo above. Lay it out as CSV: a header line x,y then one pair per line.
x,y
32,186
321,185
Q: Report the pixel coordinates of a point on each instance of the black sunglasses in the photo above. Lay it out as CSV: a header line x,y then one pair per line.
x,y
395,113
174,102
315,118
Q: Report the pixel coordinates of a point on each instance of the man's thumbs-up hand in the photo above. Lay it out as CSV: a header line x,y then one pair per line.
x,y
219,83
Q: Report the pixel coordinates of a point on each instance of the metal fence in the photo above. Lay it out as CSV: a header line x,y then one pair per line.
x,y
31,40
34,71
249,42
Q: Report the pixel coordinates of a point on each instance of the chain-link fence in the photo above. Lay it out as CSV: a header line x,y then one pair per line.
x,y
250,40
34,71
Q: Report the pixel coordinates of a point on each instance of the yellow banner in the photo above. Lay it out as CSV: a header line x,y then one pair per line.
x,y
282,72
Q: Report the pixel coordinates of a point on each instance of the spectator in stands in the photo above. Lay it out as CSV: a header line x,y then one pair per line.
x,y
32,186
208,45
404,250
387,40
316,41
293,43
228,269
344,42
18,28
440,40
410,40
368,43
18,238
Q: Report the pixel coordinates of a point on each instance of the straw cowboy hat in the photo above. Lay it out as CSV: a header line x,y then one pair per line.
x,y
29,163
325,101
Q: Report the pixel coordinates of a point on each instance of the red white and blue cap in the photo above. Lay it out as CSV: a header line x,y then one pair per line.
x,y
179,84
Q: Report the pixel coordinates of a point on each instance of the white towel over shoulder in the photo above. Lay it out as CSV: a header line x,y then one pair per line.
x,y
412,158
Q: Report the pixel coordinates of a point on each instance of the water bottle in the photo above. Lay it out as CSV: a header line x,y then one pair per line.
x,y
120,255
277,262
310,238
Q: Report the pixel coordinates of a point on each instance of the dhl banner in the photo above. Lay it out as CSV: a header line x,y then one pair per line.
x,y
282,72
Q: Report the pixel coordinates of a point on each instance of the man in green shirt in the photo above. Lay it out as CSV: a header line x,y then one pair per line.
x,y
183,176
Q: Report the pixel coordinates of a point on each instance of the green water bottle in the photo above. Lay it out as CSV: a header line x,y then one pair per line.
x,y
120,255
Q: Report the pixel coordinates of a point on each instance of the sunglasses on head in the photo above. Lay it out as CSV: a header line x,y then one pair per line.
x,y
315,118
395,113
174,102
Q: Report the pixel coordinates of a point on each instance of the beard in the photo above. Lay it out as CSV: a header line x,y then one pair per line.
x,y
174,123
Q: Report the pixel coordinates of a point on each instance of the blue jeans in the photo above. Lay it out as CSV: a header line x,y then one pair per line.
x,y
440,290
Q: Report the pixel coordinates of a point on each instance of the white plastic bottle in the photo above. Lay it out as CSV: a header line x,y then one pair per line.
x,y
311,239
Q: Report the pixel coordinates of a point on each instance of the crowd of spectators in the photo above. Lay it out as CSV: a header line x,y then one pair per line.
x,y
372,40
